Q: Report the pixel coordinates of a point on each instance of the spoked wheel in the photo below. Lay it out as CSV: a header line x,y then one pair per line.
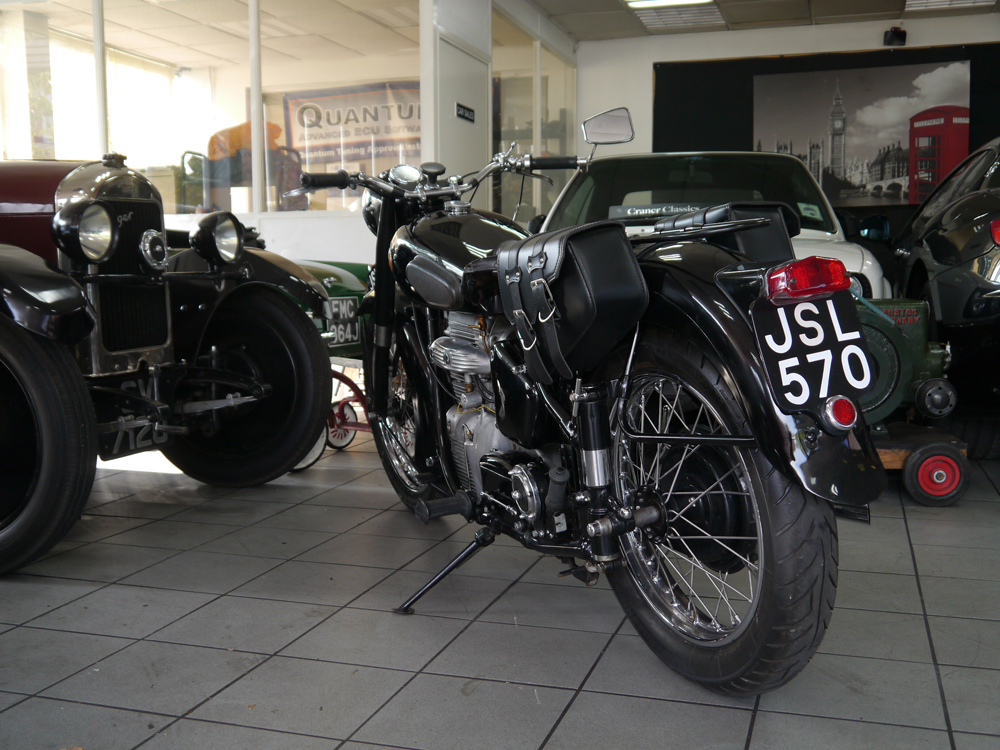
x,y
734,586
339,437
264,336
402,437
48,444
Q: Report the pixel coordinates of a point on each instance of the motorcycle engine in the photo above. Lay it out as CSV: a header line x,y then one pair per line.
x,y
464,353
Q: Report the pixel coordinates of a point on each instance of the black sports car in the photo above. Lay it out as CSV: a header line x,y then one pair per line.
x,y
949,254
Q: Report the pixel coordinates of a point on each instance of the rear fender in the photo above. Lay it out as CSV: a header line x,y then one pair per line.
x,y
843,469
42,300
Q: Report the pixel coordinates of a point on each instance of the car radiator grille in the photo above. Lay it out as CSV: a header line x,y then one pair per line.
x,y
132,317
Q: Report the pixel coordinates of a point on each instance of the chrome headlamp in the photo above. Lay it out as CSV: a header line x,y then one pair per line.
x,y
85,231
218,238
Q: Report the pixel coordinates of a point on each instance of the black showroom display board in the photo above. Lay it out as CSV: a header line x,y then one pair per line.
x,y
709,106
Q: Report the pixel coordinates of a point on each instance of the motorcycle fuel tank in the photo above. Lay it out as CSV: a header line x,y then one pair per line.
x,y
439,246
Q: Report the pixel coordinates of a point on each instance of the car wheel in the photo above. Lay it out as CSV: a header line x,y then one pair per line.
x,y
48,444
263,335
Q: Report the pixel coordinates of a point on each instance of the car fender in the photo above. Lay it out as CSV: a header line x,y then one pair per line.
x,y
42,300
684,297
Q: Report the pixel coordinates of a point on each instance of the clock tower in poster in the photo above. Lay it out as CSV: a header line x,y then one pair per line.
x,y
837,128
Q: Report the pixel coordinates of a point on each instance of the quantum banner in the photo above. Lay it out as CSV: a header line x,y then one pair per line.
x,y
355,123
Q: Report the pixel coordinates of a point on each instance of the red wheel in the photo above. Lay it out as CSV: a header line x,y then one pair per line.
x,y
340,437
936,475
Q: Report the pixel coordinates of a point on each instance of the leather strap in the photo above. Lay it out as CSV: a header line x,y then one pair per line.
x,y
548,315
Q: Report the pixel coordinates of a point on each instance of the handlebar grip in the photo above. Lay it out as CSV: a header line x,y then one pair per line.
x,y
322,181
553,162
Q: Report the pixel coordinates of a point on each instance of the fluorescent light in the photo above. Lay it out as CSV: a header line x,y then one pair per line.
x,y
944,4
662,19
664,3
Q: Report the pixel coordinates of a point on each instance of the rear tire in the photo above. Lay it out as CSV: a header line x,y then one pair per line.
x,y
264,335
735,588
48,444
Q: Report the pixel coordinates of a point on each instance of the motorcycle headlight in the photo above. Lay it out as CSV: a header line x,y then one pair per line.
x,y
85,231
218,238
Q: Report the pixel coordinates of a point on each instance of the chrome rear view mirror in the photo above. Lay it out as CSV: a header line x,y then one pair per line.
x,y
613,126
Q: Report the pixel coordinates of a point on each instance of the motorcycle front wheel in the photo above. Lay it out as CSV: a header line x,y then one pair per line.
x,y
735,586
402,436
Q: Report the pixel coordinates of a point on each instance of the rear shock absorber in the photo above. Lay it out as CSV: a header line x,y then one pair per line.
x,y
594,429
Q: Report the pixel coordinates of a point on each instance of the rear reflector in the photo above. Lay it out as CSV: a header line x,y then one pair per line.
x,y
841,412
808,277
995,231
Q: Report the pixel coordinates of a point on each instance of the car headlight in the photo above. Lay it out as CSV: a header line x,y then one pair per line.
x,y
85,231
860,286
218,238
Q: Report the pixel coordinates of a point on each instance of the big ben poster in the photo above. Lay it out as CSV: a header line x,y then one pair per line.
x,y
869,136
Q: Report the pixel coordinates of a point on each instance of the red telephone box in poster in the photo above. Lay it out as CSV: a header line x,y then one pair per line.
x,y
939,140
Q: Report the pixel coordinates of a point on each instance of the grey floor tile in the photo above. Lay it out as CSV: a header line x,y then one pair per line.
x,y
966,643
95,528
9,699
99,562
888,505
313,583
958,597
846,687
124,611
160,677
356,460
276,492
370,551
547,570
315,698
188,734
458,596
355,495
965,741
886,635
154,504
887,592
972,696
97,498
43,724
953,534
628,667
964,512
171,535
584,608
520,653
202,571
405,524
31,660
372,479
245,624
262,541
875,557
377,639
958,562
59,547
992,470
454,713
321,518
789,732
25,597
226,510
624,722
881,530
495,561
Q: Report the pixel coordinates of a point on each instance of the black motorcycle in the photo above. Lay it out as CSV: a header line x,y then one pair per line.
x,y
679,415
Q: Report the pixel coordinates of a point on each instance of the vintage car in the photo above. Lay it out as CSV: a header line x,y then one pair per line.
x,y
112,343
641,190
949,255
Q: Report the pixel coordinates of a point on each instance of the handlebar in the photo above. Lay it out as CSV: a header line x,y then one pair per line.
x,y
323,180
551,162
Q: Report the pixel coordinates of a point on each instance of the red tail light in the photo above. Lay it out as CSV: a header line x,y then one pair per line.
x,y
841,412
995,231
808,277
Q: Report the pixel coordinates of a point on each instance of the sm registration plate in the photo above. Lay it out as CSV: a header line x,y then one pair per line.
x,y
344,326
813,350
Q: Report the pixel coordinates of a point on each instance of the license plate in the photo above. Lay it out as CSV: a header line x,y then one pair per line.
x,y
344,328
813,350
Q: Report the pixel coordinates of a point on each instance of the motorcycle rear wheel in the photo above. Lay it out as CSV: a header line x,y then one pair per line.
x,y
735,588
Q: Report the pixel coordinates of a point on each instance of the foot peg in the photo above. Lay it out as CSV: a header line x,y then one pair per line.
x,y
460,504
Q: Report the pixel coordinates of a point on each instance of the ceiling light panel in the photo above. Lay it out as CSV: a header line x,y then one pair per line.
x,y
679,16
944,4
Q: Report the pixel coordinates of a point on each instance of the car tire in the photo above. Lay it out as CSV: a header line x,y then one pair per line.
x,y
48,444
264,335
980,432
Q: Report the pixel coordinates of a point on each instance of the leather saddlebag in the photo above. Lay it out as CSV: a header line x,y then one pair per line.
x,y
571,295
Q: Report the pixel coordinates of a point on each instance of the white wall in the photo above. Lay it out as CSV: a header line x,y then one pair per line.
x,y
619,72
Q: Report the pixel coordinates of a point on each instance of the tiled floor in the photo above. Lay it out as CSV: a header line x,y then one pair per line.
x,y
179,617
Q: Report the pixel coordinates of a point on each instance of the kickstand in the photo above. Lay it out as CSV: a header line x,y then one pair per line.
x,y
484,538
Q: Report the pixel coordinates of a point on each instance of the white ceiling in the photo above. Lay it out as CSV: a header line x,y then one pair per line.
x,y
612,19
203,33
